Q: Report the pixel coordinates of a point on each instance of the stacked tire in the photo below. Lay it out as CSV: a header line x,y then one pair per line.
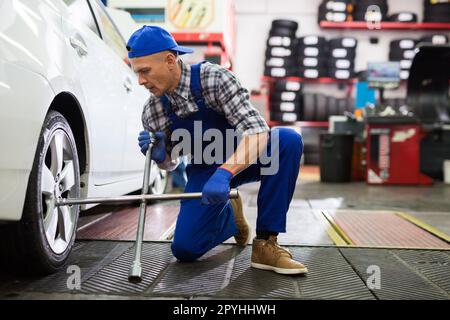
x,y
312,55
435,39
281,53
403,51
336,11
371,10
319,107
286,101
342,54
405,16
436,11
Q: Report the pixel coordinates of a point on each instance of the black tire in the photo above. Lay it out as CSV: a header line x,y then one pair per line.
x,y
333,108
404,74
405,64
317,51
435,39
402,44
341,74
287,96
285,85
285,24
342,106
278,41
404,17
281,72
309,107
398,55
281,52
343,53
321,108
294,107
341,63
287,117
343,42
25,248
331,16
311,62
312,40
350,106
276,62
313,73
282,32
336,6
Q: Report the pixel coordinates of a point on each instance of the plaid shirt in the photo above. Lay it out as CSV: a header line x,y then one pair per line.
x,y
222,92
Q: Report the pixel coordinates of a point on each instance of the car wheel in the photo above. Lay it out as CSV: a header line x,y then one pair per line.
x,y
159,184
42,241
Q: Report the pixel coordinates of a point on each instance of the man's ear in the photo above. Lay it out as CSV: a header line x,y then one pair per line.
x,y
171,59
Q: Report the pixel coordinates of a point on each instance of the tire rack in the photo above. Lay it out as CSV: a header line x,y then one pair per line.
x,y
267,86
385,26
310,149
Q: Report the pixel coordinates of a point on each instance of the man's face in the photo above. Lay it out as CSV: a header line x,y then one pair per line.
x,y
155,72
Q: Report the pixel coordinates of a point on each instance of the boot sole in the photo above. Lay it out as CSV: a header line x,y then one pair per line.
x,y
279,270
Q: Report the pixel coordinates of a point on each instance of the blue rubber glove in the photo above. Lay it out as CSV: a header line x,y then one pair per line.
x,y
217,188
159,147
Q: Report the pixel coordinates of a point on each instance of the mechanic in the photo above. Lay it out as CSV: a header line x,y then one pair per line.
x,y
210,94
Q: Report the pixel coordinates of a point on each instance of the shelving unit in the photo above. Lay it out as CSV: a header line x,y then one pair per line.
x,y
208,39
266,80
384,26
306,80
310,124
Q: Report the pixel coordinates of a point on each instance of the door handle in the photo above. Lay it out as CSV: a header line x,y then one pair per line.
x,y
128,85
79,45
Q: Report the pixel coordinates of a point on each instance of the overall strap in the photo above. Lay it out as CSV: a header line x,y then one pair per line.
x,y
196,85
167,108
166,104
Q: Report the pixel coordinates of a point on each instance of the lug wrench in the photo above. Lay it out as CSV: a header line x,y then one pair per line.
x,y
135,274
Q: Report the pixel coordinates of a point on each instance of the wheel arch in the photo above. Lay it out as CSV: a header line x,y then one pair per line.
x,y
67,104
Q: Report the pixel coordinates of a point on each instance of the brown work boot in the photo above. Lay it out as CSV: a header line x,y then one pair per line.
x,y
268,255
244,231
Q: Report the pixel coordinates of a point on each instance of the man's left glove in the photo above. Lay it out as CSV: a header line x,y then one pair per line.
x,y
217,188
158,149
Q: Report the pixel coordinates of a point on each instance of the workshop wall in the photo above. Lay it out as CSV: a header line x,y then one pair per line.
x,y
253,21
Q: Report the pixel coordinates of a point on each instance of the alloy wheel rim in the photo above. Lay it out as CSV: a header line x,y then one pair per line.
x,y
159,183
58,181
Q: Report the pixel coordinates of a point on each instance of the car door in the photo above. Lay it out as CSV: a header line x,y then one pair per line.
x,y
134,99
105,85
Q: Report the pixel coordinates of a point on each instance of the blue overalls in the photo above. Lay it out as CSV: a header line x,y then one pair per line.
x,y
200,228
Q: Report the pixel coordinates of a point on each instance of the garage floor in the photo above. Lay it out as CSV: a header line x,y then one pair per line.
x,y
333,228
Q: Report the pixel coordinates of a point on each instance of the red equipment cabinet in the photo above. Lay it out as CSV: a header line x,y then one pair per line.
x,y
393,152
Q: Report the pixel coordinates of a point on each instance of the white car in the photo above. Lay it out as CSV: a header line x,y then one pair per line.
x,y
70,114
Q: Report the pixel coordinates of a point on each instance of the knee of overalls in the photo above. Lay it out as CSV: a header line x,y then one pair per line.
x,y
289,140
190,243
186,251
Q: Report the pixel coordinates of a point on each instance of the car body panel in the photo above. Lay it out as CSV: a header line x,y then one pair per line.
x,y
38,62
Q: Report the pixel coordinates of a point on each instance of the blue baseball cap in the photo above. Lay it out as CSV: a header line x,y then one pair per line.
x,y
152,39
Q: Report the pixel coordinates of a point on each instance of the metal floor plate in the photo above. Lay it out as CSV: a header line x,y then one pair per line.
x,y
383,229
225,272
